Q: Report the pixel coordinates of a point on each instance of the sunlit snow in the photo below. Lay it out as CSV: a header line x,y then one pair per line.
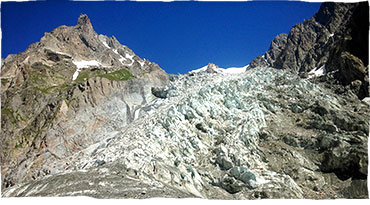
x,y
83,64
316,72
75,75
234,70
104,43
61,53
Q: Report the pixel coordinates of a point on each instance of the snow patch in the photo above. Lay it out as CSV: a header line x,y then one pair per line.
x,y
264,58
83,64
128,56
235,70
142,63
121,59
316,72
104,43
204,68
61,53
75,75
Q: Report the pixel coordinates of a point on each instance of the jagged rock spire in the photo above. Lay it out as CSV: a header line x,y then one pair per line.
x,y
83,19
84,23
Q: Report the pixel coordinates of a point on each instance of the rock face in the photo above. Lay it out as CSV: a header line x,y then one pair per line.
x,y
265,133
336,37
65,93
276,47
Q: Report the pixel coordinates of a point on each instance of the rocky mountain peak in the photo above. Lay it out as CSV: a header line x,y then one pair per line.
x,y
211,68
84,21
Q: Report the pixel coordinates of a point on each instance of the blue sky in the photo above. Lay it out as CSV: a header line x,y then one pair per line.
x,y
179,36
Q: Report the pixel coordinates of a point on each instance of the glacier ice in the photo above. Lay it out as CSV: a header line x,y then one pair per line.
x,y
204,136
178,139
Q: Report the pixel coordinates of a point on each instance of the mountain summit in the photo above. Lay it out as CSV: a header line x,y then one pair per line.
x,y
83,20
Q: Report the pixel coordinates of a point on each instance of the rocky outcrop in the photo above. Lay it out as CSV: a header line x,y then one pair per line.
x,y
65,93
211,68
276,47
335,37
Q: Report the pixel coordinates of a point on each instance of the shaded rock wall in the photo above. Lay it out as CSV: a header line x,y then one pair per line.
x,y
335,37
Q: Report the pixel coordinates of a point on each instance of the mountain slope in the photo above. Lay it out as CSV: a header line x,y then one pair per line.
x,y
61,94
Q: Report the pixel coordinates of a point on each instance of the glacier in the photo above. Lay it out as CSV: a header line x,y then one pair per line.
x,y
204,137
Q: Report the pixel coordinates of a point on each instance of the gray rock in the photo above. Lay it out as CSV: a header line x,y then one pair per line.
x,y
244,175
297,108
320,109
224,163
231,185
159,92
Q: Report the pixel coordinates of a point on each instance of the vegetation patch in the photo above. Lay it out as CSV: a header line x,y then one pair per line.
x,y
66,86
45,90
82,76
119,75
9,113
4,81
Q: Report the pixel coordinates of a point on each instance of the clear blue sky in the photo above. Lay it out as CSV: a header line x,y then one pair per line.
x,y
179,36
